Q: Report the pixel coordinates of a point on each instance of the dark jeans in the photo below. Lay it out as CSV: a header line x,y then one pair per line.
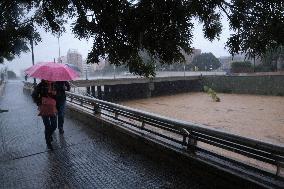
x,y
50,126
60,114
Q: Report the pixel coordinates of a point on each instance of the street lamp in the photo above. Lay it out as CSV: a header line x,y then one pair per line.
x,y
59,58
33,59
183,69
114,67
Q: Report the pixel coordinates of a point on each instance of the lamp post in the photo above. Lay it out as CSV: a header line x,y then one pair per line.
x,y
59,57
184,69
33,59
114,67
86,67
253,63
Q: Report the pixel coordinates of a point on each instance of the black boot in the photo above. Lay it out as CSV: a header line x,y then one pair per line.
x,y
48,139
49,146
61,131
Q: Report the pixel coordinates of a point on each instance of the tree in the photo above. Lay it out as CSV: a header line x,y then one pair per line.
x,y
241,67
11,75
121,29
272,59
206,62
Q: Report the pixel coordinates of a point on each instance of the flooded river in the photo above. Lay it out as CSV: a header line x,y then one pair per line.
x,y
254,116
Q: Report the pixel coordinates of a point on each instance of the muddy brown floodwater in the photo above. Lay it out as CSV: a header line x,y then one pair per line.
x,y
254,116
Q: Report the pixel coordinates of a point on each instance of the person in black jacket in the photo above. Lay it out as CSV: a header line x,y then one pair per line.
x,y
61,87
46,89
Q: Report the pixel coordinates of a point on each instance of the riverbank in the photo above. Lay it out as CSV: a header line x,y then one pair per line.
x,y
254,116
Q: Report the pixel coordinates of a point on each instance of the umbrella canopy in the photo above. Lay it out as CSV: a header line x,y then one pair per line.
x,y
52,72
74,67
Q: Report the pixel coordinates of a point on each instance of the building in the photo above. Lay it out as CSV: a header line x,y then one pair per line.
x,y
62,59
226,61
101,64
189,57
88,69
74,57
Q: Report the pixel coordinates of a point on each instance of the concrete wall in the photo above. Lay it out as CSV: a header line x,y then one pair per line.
x,y
242,84
263,85
146,90
174,87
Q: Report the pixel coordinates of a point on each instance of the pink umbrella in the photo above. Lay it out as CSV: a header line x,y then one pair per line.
x,y
33,68
52,72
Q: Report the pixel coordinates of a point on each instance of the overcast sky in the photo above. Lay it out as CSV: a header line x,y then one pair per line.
x,y
47,50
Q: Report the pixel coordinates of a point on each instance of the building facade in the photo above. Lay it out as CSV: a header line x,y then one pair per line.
x,y
189,57
62,59
74,57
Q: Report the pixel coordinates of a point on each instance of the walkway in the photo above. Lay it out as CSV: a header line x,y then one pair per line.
x,y
83,158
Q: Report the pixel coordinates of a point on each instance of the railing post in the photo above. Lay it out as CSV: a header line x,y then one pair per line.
x,y
116,115
142,125
191,143
280,168
97,110
184,137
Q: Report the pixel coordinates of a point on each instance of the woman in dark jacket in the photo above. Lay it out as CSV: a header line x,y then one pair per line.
x,y
43,94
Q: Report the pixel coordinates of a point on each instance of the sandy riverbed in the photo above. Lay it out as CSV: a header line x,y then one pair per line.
x,y
254,116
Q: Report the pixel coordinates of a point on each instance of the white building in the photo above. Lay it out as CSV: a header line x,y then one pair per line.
x,y
226,61
88,69
62,59
102,63
189,57
74,57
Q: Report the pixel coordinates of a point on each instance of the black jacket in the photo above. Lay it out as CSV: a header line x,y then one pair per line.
x,y
61,87
41,90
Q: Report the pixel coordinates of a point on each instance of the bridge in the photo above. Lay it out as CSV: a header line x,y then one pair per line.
x,y
106,145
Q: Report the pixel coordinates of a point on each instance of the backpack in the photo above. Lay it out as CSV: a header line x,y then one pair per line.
x,y
42,96
47,107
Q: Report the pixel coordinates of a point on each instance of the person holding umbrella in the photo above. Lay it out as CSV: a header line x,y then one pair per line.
x,y
61,87
45,93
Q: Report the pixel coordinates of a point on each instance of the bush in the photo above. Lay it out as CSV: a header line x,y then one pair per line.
x,y
206,62
263,68
242,67
211,93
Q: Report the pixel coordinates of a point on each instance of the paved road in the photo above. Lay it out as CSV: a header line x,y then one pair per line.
x,y
82,157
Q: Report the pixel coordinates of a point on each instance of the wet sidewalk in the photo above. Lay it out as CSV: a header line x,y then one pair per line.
x,y
83,158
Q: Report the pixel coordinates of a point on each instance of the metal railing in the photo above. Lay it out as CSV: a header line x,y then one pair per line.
x,y
75,89
186,135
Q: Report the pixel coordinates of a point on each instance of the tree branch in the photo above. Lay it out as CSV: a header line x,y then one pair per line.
x,y
238,9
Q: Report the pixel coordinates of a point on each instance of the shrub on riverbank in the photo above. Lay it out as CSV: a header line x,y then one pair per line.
x,y
211,93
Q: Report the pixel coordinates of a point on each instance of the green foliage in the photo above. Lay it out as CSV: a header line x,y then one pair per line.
x,y
270,59
122,29
15,35
241,67
211,93
206,62
258,26
206,88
